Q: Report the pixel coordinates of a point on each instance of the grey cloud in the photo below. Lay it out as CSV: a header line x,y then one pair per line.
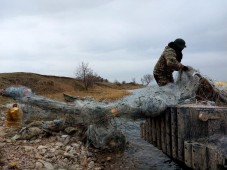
x,y
41,7
54,36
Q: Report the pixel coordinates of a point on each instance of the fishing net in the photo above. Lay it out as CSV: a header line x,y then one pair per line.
x,y
190,87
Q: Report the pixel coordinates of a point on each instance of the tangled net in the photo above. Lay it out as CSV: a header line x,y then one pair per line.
x,y
99,117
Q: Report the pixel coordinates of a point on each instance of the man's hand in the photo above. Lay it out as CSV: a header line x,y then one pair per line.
x,y
185,68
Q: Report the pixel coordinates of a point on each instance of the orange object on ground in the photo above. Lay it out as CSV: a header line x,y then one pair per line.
x,y
14,116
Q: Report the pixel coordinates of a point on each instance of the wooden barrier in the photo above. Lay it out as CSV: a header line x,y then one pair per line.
x,y
192,134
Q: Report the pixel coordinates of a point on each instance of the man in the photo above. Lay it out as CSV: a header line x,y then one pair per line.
x,y
170,61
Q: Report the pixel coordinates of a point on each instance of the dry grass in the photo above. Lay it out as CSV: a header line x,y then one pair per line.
x,y
99,93
221,83
54,87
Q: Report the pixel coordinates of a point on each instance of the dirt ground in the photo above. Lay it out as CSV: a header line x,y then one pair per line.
x,y
54,151
50,150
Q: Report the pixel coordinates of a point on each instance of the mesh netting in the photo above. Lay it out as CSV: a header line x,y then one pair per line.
x,y
150,101
190,87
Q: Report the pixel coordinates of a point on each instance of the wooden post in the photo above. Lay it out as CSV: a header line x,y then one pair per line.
x,y
145,130
212,158
142,130
163,133
154,134
158,129
168,132
174,134
199,156
188,153
150,130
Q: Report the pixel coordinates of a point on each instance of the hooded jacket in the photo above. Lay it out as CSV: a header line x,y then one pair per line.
x,y
168,62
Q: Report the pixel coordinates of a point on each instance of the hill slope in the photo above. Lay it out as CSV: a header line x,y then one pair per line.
x,y
54,86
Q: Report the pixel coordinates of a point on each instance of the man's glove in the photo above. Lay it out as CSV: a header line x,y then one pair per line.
x,y
185,68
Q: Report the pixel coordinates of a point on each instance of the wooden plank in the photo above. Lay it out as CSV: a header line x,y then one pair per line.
x,y
183,127
174,134
199,155
196,125
168,132
147,130
154,134
163,133
158,130
188,153
212,158
142,130
150,130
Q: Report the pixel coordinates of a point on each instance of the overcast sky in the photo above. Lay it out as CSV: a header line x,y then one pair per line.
x,y
119,39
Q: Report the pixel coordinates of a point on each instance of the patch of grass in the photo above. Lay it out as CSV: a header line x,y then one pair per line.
x,y
126,86
99,93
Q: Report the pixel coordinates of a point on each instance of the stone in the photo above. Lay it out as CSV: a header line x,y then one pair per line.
x,y
49,155
73,152
89,154
108,158
67,148
68,155
43,151
75,145
64,136
76,166
91,164
16,137
83,161
37,141
38,156
65,160
30,133
38,165
53,150
98,168
59,144
71,130
28,148
42,147
8,141
66,141
2,145
47,165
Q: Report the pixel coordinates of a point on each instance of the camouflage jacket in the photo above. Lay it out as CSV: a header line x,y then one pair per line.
x,y
167,63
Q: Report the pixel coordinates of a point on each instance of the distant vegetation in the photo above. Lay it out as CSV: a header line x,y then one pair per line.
x,y
89,78
86,75
54,86
146,79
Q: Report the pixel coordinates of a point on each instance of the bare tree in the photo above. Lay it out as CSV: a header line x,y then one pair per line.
x,y
147,78
85,74
134,80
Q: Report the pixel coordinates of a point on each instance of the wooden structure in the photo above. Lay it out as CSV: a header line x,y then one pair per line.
x,y
192,134
69,98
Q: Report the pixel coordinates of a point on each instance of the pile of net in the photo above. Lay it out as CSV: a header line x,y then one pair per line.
x,y
189,87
